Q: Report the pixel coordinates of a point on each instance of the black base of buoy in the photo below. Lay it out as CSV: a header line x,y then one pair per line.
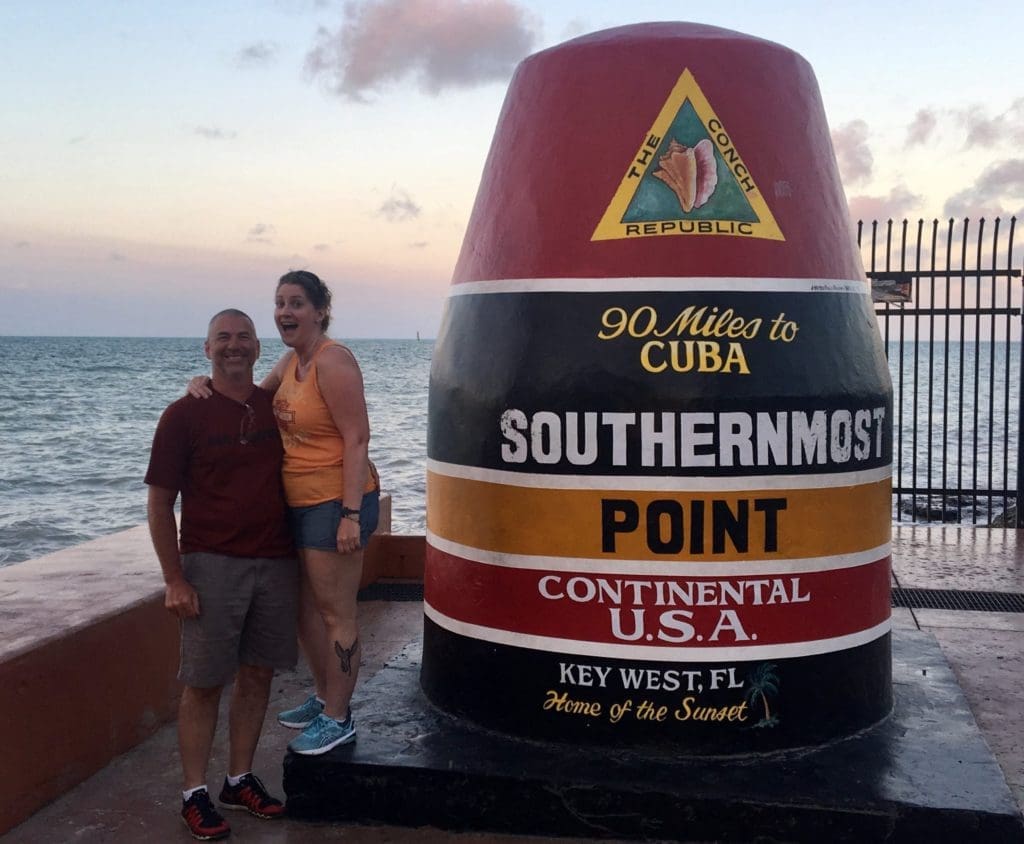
x,y
925,773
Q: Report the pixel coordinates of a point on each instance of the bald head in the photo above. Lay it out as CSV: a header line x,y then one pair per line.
x,y
232,347
231,312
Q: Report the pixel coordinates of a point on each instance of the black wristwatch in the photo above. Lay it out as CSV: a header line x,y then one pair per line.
x,y
348,512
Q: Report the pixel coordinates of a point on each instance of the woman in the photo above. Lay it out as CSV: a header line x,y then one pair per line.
x,y
332,492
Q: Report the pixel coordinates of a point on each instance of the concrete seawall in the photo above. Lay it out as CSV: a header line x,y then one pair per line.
x,y
88,657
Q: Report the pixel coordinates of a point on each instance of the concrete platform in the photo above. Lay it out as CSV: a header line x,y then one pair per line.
x,y
135,797
925,773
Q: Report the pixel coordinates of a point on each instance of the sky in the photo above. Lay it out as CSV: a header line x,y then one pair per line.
x,y
160,161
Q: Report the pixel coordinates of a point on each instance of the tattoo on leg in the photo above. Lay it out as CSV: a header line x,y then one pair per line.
x,y
345,656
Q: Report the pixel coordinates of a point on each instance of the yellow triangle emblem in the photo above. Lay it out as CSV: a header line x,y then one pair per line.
x,y
687,178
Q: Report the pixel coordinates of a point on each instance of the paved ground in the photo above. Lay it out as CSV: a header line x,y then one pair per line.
x,y
984,649
136,797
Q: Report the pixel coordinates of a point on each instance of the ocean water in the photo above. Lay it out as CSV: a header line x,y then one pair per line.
x,y
77,425
958,404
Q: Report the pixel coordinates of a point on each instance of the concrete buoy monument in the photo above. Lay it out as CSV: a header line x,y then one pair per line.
x,y
659,450
656,585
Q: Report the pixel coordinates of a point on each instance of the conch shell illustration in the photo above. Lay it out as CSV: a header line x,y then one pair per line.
x,y
690,172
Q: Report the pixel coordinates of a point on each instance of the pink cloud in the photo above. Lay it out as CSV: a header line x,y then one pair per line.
x,y
1001,182
852,152
985,131
212,133
897,205
261,233
444,43
399,207
982,131
922,127
257,55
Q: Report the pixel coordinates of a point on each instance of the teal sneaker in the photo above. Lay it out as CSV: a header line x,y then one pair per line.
x,y
303,715
322,735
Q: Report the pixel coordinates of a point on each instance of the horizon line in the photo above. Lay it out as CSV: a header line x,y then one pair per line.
x,y
167,337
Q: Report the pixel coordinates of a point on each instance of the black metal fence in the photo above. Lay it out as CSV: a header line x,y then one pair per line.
x,y
948,300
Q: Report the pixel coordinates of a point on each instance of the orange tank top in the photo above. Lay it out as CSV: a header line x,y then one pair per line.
x,y
313,447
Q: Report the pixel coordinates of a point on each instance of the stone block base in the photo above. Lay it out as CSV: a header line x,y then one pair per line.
x,y
925,773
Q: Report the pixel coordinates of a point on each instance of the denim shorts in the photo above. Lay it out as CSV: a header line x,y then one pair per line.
x,y
317,526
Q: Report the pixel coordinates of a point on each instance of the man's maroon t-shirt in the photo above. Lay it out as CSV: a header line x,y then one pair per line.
x,y
225,458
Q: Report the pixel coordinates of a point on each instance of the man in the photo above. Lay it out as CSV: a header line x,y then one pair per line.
x,y
234,581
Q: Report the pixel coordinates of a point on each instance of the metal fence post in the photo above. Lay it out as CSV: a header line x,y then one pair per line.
x,y
1018,523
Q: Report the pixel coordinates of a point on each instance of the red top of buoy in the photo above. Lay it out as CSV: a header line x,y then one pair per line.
x,y
661,150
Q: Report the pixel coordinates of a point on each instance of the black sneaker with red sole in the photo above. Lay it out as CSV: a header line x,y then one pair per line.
x,y
251,795
202,819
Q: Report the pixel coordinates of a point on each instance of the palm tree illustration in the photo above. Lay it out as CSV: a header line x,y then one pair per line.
x,y
763,681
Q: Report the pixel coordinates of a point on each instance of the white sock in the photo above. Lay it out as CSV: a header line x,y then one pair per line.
x,y
320,700
185,795
233,781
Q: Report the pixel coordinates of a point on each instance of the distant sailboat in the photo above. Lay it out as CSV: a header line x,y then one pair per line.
x,y
417,336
